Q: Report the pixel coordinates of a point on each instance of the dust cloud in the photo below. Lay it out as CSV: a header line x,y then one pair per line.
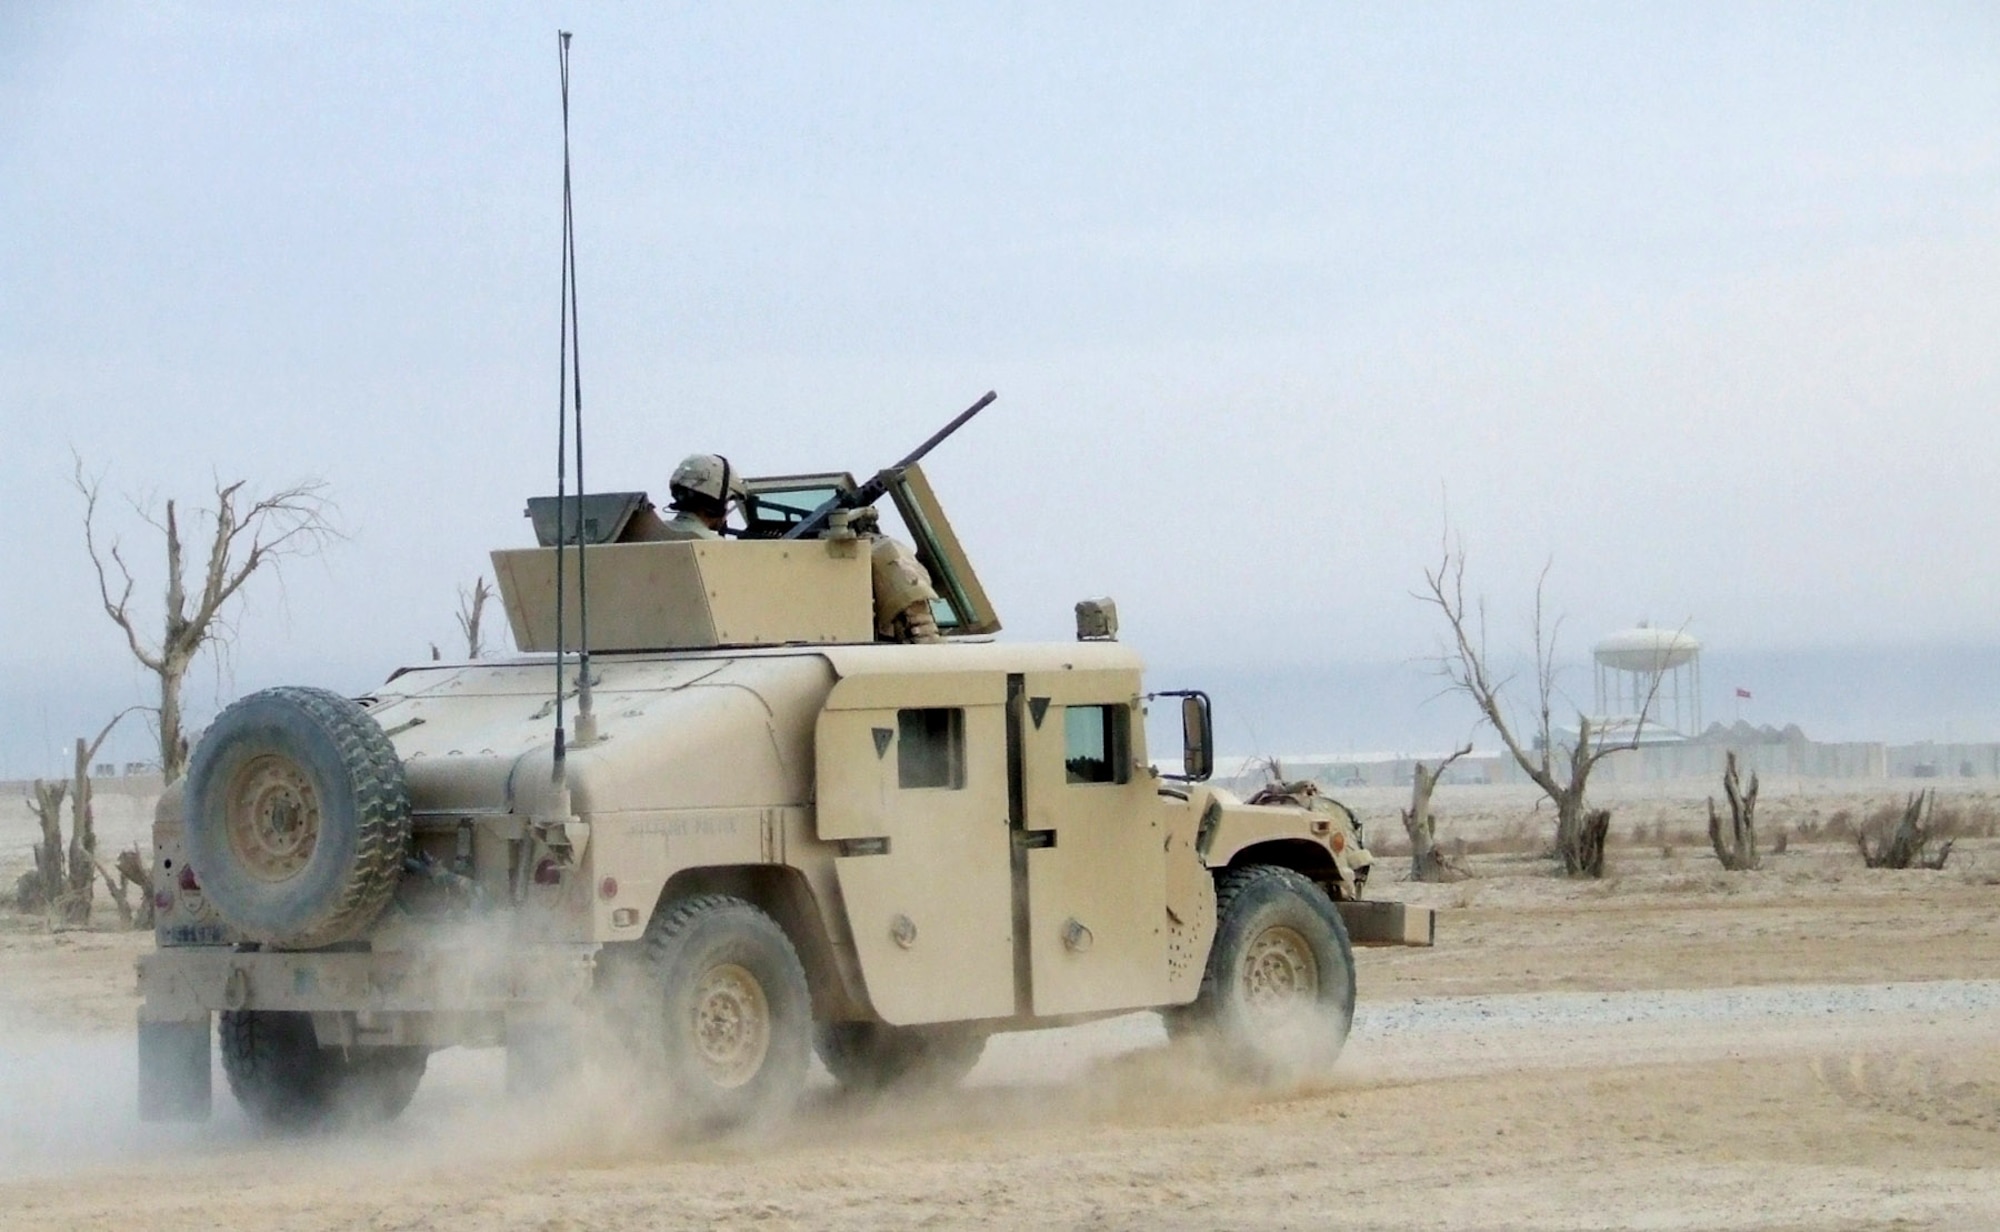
x,y
67,1107
65,1101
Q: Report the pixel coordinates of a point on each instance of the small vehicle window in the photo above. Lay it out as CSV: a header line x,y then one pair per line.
x,y
930,748
1094,743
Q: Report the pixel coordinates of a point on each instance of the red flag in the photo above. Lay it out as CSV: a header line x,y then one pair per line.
x,y
1743,693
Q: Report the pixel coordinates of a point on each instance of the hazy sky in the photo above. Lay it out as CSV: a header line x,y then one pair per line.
x,y
1698,301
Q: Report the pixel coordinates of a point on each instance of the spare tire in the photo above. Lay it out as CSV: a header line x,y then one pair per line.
x,y
298,818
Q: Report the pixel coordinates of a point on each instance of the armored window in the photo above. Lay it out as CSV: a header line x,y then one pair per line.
x,y
1094,743
775,504
930,748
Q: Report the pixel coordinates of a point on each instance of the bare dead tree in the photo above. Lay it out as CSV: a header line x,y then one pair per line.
x,y
132,871
1737,851
117,889
1563,773
1427,863
64,879
125,874
245,534
1905,846
471,609
41,887
75,903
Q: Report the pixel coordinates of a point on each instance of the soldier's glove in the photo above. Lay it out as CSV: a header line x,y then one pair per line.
x,y
916,624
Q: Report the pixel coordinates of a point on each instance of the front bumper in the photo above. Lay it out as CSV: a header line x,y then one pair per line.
x,y
1385,923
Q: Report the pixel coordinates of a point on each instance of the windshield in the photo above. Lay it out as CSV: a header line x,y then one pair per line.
x,y
775,505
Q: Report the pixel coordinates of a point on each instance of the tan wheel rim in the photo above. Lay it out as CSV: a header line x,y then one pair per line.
x,y
271,815
732,1025
1280,975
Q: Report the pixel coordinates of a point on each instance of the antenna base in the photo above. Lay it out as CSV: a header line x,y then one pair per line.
x,y
585,730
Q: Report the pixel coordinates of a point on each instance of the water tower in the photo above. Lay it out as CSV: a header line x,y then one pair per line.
x,y
1661,664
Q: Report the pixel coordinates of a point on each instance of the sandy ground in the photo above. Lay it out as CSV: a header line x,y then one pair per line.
x,y
1811,1046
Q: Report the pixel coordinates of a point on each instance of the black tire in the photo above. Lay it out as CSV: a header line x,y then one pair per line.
x,y
874,1056
284,1080
1277,996
725,1012
298,818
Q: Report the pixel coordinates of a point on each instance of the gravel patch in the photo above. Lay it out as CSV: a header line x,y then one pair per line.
x,y
1705,1005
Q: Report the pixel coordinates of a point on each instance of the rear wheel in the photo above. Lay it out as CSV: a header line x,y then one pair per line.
x,y
874,1056
285,1080
725,1012
1277,998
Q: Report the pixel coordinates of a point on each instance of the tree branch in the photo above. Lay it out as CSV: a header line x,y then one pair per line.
x,y
119,609
284,523
1464,665
90,751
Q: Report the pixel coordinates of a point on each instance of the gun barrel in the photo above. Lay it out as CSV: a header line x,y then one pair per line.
x,y
917,455
872,491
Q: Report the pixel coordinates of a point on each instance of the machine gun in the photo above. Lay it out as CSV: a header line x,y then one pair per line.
x,y
873,490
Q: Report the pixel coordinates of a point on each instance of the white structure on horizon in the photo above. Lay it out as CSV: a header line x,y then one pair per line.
x,y
1657,671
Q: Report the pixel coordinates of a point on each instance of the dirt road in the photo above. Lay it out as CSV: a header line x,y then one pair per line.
x,y
1829,1106
1814,1046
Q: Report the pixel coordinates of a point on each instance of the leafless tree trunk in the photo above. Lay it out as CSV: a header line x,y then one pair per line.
x,y
1465,666
1427,863
245,537
117,887
132,871
64,878
82,852
123,876
1588,844
1739,850
471,609
1904,846
41,888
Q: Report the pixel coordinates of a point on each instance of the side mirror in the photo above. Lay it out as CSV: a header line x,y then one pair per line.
x,y
1197,734
1197,738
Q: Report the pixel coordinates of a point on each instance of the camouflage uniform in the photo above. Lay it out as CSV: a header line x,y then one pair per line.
x,y
903,594
685,525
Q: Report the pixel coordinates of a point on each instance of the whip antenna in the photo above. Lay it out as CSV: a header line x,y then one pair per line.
x,y
569,403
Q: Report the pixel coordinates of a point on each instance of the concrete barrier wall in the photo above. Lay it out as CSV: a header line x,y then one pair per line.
x,y
1946,761
121,808
1808,759
1798,759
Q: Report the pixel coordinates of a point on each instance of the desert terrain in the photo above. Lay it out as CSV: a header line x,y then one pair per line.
x,y
1809,1046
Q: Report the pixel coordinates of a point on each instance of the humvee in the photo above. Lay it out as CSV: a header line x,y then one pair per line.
x,y
768,835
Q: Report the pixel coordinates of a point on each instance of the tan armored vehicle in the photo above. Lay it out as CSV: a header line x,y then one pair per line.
x,y
770,834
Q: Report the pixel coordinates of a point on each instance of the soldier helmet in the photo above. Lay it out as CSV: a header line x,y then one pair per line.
x,y
705,483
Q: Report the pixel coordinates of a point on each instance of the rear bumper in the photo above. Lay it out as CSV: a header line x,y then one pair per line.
x,y
1381,923
180,984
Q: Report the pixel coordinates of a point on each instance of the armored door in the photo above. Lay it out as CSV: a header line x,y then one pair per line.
x,y
912,786
1091,827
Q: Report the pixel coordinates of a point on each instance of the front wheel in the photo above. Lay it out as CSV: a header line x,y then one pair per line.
x,y
726,1012
1277,998
284,1080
